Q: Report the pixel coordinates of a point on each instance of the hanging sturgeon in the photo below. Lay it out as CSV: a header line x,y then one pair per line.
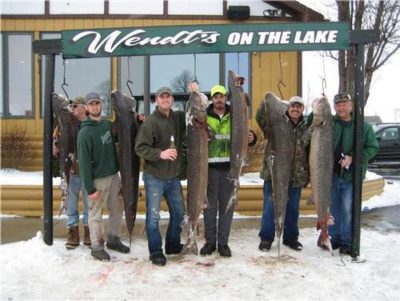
x,y
197,169
67,122
279,137
129,163
321,165
239,135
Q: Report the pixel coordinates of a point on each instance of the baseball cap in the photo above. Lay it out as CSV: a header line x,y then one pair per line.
x,y
92,96
341,97
218,89
194,81
78,100
296,99
163,90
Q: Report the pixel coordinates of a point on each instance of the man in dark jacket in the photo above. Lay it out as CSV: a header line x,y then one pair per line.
x,y
342,180
159,143
298,178
98,166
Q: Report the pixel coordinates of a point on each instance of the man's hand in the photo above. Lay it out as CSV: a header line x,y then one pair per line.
x,y
346,161
56,150
251,136
94,196
169,154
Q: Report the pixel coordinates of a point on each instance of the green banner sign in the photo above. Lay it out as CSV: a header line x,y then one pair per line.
x,y
205,39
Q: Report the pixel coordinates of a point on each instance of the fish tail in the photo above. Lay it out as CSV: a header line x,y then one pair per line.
x,y
233,197
231,203
190,246
324,241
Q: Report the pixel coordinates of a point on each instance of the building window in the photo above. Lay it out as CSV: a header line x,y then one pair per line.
x,y
17,98
82,76
175,71
239,63
132,69
1,76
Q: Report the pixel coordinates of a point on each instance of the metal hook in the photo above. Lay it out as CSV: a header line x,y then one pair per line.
x,y
280,84
64,84
129,78
128,83
280,79
323,79
324,85
195,65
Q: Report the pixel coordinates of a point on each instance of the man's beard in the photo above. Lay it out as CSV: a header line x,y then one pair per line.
x,y
95,114
219,105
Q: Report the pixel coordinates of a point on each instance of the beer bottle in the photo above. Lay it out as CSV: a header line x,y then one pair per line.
x,y
172,145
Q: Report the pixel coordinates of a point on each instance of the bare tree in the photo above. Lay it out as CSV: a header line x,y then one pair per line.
x,y
181,81
382,15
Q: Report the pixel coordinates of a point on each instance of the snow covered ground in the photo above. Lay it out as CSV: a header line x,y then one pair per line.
x,y
31,270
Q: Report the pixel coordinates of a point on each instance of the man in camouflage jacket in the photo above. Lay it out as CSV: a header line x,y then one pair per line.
x,y
298,178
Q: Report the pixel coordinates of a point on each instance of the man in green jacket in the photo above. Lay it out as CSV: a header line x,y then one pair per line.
x,y
98,166
159,143
342,180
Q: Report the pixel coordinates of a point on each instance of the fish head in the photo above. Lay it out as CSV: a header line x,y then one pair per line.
x,y
321,111
275,107
196,109
60,103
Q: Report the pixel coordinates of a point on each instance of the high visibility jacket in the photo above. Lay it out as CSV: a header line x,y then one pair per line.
x,y
219,147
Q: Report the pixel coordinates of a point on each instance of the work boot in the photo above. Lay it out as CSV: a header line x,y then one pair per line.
x,y
116,245
176,250
73,238
101,255
293,244
86,236
207,249
265,245
224,251
158,259
345,250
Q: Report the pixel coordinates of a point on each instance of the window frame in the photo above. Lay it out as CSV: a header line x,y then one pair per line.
x,y
42,71
222,79
6,95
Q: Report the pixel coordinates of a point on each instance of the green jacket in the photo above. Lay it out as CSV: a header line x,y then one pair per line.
x,y
155,136
96,152
370,144
219,148
299,161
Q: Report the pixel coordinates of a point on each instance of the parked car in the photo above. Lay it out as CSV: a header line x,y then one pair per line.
x,y
388,136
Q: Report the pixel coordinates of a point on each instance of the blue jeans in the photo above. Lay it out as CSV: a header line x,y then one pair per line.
x,y
291,229
75,185
172,190
341,209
